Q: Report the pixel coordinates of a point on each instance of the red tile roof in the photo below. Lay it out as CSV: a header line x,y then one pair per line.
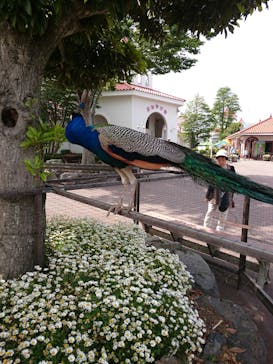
x,y
263,127
131,87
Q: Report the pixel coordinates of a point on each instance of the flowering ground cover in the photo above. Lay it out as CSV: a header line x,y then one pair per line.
x,y
105,298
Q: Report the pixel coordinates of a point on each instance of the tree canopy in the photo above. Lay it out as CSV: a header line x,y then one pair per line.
x,y
37,17
224,109
232,128
197,122
117,52
85,40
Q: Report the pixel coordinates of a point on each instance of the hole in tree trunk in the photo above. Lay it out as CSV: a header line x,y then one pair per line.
x,y
9,117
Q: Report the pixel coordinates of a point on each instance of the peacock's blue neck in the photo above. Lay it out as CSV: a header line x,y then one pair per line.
x,y
88,137
78,133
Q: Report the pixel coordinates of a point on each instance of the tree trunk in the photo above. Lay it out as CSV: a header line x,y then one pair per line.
x,y
22,214
89,115
87,156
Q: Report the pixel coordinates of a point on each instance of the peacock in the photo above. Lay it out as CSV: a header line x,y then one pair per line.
x,y
124,148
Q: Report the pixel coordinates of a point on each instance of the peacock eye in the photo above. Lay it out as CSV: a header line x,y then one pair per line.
x,y
9,117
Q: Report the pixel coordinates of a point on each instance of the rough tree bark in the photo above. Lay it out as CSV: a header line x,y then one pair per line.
x,y
22,215
22,61
89,115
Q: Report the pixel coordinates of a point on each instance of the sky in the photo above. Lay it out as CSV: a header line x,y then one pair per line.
x,y
243,62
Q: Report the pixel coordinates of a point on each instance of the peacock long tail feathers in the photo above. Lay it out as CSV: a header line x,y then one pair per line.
x,y
203,169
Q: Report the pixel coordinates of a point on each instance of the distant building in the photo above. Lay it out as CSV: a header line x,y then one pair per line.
x,y
138,106
255,140
142,108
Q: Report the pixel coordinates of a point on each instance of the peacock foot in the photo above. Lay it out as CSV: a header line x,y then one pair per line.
x,y
115,210
118,209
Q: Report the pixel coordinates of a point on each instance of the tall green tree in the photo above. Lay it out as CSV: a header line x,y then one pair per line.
x,y
232,128
174,53
30,32
57,104
224,109
197,122
56,107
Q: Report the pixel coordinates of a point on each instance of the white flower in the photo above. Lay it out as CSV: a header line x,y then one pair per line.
x,y
128,335
53,351
9,353
115,304
40,338
91,356
71,358
33,342
69,350
25,353
161,319
121,344
4,334
102,361
81,357
164,332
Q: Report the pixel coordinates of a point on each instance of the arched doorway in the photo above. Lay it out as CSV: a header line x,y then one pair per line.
x,y
250,146
156,126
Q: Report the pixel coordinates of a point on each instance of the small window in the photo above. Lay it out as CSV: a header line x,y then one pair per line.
x,y
268,147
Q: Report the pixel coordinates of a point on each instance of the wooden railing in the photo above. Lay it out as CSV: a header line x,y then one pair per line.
x,y
193,237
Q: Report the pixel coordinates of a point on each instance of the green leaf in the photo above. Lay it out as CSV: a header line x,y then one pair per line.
x,y
241,8
13,21
28,8
44,175
35,167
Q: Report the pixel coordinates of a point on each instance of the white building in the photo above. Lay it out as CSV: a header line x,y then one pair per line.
x,y
141,108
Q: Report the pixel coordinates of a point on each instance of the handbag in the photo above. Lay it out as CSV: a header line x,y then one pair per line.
x,y
224,202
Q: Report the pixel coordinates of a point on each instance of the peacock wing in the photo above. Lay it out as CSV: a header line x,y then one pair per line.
x,y
133,141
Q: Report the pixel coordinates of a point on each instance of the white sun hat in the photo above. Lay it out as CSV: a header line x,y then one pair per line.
x,y
222,153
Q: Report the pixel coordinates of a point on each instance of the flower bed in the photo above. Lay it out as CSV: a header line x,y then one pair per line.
x,y
104,298
266,157
233,157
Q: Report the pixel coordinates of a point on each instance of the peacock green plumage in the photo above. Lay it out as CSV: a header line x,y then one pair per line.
x,y
203,170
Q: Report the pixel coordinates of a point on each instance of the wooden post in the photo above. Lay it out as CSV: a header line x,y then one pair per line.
x,y
252,250
147,228
136,200
244,233
38,249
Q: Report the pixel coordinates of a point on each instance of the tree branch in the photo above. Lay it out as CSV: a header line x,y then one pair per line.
x,y
68,24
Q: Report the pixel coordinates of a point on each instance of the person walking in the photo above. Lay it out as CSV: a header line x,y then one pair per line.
x,y
219,202
246,154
